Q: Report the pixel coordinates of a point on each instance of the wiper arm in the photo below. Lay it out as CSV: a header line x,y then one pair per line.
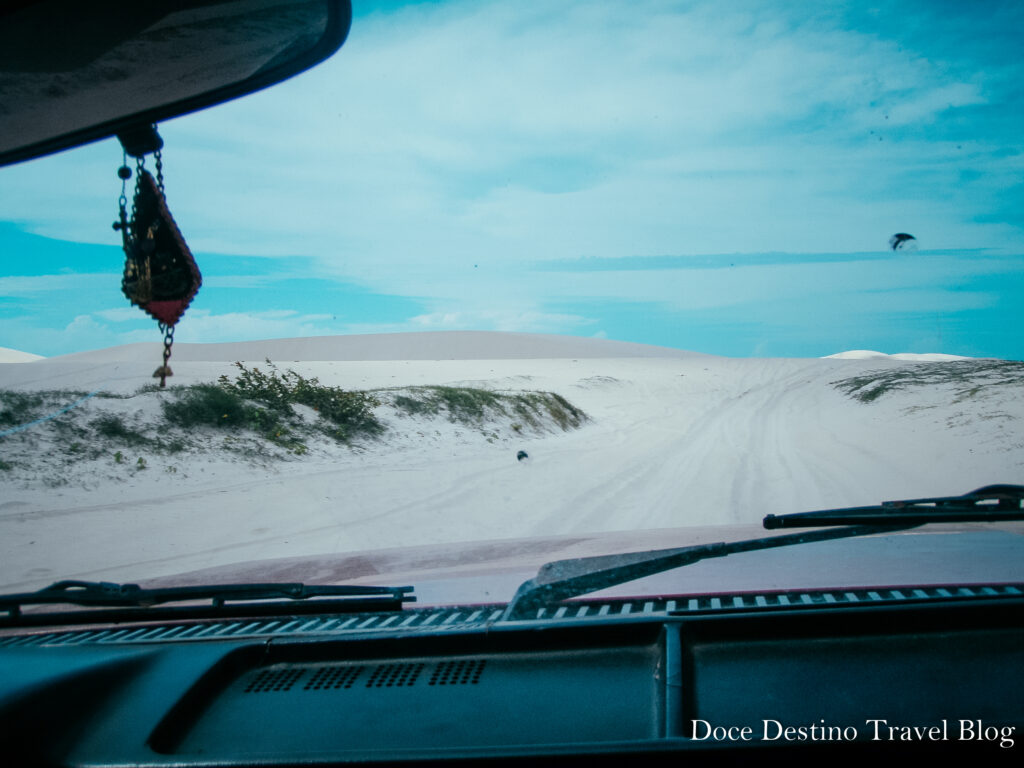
x,y
562,579
991,504
110,595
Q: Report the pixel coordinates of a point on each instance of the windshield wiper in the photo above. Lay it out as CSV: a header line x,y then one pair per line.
x,y
991,504
104,594
563,579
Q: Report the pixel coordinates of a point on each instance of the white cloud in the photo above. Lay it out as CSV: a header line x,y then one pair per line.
x,y
119,314
205,326
389,150
29,285
84,325
519,321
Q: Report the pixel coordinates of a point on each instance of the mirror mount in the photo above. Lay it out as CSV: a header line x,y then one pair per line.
x,y
113,65
140,140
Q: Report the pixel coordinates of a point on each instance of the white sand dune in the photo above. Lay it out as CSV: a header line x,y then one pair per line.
x,y
675,439
867,354
427,345
8,355
126,368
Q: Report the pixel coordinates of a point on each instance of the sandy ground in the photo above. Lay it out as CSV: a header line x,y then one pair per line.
x,y
674,439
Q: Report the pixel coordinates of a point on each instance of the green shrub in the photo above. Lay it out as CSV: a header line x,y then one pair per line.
x,y
966,378
17,408
416,407
533,406
112,427
465,405
211,405
255,385
563,412
472,406
349,413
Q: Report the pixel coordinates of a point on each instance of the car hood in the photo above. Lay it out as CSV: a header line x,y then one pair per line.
x,y
491,571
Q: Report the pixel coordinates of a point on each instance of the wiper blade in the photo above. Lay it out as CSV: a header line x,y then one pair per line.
x,y
993,503
562,579
111,595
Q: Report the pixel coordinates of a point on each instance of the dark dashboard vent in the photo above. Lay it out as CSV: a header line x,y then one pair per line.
x,y
462,672
394,675
333,678
337,677
267,680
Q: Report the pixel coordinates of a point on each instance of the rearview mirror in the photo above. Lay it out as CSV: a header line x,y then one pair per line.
x,y
74,72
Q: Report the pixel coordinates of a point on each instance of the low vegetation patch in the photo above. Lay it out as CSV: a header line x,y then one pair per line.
x,y
211,405
348,413
113,427
20,408
266,403
474,407
17,408
260,414
966,378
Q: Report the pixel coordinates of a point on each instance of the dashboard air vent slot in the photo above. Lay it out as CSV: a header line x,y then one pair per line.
x,y
394,675
267,680
462,672
333,678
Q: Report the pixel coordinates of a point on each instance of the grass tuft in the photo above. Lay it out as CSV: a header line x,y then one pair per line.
x,y
968,378
17,408
211,405
473,406
112,427
349,413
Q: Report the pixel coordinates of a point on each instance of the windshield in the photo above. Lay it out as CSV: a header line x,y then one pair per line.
x,y
526,274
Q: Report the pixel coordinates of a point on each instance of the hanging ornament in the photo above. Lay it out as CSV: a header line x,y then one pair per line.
x,y
160,274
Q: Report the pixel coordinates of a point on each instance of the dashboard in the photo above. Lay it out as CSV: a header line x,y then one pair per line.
x,y
925,672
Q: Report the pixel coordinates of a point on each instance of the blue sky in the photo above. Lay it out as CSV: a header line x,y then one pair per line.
x,y
709,176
